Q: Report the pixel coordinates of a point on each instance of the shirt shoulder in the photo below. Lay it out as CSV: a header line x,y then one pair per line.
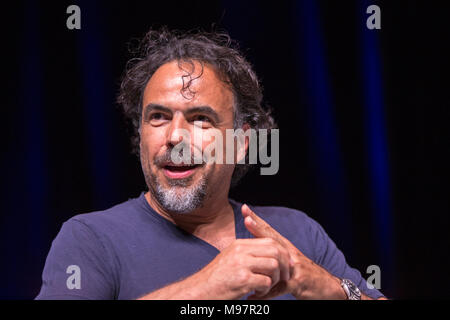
x,y
86,246
122,213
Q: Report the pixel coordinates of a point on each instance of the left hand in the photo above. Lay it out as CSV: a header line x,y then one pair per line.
x,y
308,280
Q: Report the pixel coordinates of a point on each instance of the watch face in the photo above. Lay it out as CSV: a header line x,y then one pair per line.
x,y
354,292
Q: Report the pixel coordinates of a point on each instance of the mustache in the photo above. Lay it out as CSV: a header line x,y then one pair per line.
x,y
166,158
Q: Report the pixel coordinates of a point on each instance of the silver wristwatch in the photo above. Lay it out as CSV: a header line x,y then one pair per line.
x,y
351,290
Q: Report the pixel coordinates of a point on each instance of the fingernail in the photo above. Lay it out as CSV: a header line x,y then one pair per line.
x,y
252,222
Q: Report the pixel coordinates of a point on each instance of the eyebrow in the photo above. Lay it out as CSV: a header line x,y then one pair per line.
x,y
153,106
207,110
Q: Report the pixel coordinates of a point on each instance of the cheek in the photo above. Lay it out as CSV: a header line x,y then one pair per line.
x,y
222,174
152,141
211,141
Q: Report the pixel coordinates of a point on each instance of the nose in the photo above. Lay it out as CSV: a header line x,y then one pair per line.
x,y
177,130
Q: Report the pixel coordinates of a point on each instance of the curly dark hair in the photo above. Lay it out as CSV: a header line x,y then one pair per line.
x,y
214,48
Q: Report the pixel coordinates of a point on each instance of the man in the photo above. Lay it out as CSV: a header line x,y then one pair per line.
x,y
184,238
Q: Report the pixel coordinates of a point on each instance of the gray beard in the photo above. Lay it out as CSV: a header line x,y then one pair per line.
x,y
179,197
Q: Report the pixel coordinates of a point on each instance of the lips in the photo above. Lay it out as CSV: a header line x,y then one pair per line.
x,y
175,171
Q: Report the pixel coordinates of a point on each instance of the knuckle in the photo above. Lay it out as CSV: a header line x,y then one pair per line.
x,y
277,252
274,264
238,247
267,282
272,250
243,275
298,276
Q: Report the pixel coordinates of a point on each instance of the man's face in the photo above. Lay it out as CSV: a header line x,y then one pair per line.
x,y
168,114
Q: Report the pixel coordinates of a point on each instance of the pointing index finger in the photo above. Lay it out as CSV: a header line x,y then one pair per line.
x,y
258,226
261,228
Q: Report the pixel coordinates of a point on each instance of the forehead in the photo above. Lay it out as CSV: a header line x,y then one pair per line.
x,y
205,88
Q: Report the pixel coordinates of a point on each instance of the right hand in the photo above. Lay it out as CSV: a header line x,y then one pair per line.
x,y
244,266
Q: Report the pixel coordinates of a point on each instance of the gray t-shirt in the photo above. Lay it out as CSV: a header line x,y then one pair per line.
x,y
129,250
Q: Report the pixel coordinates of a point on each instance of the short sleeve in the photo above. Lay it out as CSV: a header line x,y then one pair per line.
x,y
78,266
332,259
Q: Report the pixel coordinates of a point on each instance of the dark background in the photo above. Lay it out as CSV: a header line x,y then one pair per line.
x,y
363,116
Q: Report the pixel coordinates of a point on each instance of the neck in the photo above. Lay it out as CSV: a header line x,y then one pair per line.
x,y
216,215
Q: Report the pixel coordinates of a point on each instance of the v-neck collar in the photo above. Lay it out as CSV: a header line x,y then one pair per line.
x,y
240,231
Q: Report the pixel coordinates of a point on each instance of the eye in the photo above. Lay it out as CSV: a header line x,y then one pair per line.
x,y
202,121
157,118
201,118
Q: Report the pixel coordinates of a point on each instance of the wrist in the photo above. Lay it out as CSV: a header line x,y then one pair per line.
x,y
200,286
210,285
337,292
330,289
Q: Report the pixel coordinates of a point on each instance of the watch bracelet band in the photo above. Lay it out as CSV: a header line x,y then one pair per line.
x,y
351,290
